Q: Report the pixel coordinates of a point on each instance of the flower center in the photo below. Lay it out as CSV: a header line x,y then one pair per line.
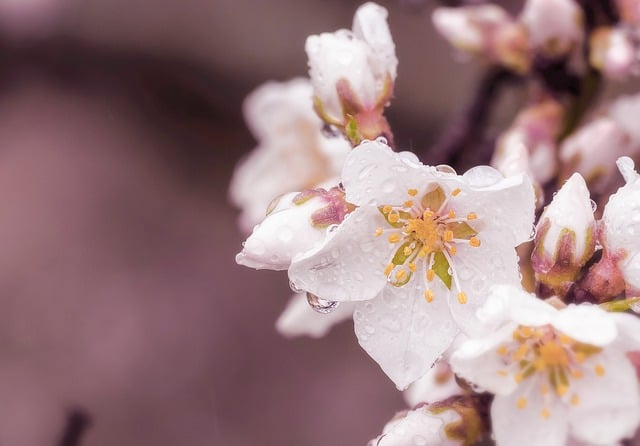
x,y
427,233
555,358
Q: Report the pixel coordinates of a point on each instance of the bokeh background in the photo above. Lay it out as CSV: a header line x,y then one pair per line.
x,y
124,319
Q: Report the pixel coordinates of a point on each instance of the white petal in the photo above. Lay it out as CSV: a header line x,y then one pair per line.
x,y
629,331
513,304
373,173
299,319
609,407
552,22
527,427
418,427
404,333
494,261
285,233
350,265
622,111
586,323
507,205
477,361
437,384
370,26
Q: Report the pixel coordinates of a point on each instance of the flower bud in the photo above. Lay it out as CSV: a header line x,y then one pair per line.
x,y
565,238
295,223
352,73
555,26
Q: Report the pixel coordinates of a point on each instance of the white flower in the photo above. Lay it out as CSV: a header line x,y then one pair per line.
x,y
292,153
565,236
612,52
419,427
295,223
555,26
554,372
621,225
352,72
438,384
421,250
299,319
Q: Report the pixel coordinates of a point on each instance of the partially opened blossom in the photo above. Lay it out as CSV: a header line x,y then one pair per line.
x,y
300,319
565,236
353,72
555,373
485,30
292,152
554,26
621,226
418,253
612,51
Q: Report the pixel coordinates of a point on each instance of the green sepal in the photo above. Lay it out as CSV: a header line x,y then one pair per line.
x,y
403,282
399,258
352,132
398,224
433,199
621,305
462,230
441,268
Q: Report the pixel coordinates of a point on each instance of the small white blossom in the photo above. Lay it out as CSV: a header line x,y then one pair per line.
x,y
292,153
565,236
299,319
612,52
420,250
621,225
555,26
352,72
554,373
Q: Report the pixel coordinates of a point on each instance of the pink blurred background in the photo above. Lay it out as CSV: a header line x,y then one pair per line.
x,y
123,315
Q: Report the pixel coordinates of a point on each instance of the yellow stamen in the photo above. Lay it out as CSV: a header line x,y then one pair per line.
x,y
502,350
502,372
453,250
412,266
577,374
388,269
545,413
562,390
575,400
378,232
580,357
428,295
407,251
408,203
521,352
412,192
431,274
447,236
394,238
522,403
599,369
423,252
400,274
544,389
386,209
518,377
462,297
451,214
427,214
565,339
474,241
393,218
472,216
455,192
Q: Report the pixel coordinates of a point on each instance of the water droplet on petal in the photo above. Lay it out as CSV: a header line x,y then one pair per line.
x,y
388,186
294,288
365,171
594,206
332,228
445,168
382,140
482,176
321,305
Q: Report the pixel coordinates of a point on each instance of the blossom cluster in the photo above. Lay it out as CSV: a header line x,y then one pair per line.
x,y
503,310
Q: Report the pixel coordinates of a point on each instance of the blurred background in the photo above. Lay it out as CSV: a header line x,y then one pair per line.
x,y
124,319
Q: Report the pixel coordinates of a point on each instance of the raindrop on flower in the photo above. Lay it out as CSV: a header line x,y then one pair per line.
x,y
482,176
332,228
294,288
322,306
444,168
382,140
594,205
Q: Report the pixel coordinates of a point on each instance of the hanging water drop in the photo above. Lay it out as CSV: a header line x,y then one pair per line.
x,y
445,168
594,206
294,288
382,140
320,305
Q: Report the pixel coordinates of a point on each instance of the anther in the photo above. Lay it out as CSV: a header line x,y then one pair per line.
x,y
412,192
388,269
522,403
447,235
394,238
472,216
599,369
393,218
545,413
428,295
400,274
575,400
453,250
474,242
502,350
518,377
451,213
431,274
412,267
462,297
455,192
407,251
386,209
378,232
408,203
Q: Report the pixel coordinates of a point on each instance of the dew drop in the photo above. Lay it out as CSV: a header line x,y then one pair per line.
x,y
382,140
332,228
594,206
532,234
445,168
330,131
321,305
365,171
482,176
419,440
294,288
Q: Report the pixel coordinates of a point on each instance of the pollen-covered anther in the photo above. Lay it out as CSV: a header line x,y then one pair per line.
x,y
455,192
474,242
462,297
431,274
378,232
575,400
452,250
447,236
408,204
412,192
451,213
428,295
522,402
545,414
394,217
599,370
388,269
412,267
394,238
407,251
400,274
472,216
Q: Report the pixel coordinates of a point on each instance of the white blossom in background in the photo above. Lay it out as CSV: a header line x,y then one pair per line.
x,y
555,373
485,30
419,427
353,72
292,152
565,236
613,52
418,253
554,26
299,319
437,384
621,226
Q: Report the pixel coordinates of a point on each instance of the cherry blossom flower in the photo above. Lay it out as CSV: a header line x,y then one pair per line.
x,y
621,226
554,26
292,153
555,373
418,253
565,236
352,73
612,52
